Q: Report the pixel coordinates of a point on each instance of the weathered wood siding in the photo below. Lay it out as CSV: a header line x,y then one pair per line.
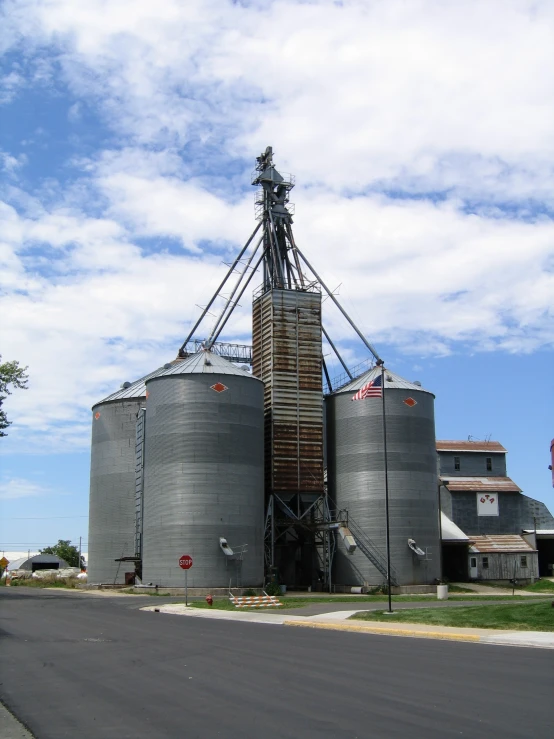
x,y
501,566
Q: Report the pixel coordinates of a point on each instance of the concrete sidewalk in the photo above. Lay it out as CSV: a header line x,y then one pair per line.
x,y
479,589
338,621
257,617
10,727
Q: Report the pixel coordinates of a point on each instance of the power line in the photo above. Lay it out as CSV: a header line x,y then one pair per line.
x,y
6,544
41,518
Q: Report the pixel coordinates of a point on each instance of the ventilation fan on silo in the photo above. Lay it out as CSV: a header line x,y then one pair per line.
x,y
225,548
415,549
348,539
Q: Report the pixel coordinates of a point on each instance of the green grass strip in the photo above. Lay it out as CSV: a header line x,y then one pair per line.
x,y
224,604
517,617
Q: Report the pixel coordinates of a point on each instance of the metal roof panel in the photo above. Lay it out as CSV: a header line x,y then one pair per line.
x,y
392,380
451,532
136,389
203,362
480,484
187,365
500,543
469,446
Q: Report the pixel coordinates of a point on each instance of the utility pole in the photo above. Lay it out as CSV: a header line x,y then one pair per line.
x,y
80,553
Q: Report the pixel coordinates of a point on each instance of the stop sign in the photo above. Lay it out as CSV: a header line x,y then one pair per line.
x,y
185,562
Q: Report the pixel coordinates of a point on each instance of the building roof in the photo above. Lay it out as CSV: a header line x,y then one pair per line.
x,y
471,446
26,563
500,543
203,362
15,564
392,380
450,532
538,512
480,484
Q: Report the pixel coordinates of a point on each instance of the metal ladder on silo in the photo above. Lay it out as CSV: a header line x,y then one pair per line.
x,y
371,551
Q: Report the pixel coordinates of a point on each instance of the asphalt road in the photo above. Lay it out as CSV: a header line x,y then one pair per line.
x,y
98,668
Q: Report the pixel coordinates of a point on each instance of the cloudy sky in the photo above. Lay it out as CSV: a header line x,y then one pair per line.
x,y
421,134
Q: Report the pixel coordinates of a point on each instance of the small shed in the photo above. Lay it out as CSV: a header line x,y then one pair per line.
x,y
502,557
38,562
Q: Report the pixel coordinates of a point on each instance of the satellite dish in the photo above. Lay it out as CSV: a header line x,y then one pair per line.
x,y
417,382
167,365
125,385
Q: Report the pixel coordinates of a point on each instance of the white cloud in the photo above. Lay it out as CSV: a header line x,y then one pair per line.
x,y
423,96
75,112
10,164
362,100
15,488
9,86
415,274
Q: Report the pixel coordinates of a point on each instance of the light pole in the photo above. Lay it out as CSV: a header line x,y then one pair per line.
x,y
386,486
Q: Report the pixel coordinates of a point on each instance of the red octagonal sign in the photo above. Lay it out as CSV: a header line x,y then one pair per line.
x,y
185,562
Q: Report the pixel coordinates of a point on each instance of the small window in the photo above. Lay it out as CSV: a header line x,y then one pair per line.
x,y
485,563
489,464
456,463
473,562
523,561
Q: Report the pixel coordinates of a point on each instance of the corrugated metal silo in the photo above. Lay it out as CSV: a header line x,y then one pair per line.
x,y
356,477
203,474
112,483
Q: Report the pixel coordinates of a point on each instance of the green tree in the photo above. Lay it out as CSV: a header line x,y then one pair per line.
x,y
66,550
11,375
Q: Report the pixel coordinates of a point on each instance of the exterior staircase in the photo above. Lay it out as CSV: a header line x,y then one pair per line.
x,y
370,550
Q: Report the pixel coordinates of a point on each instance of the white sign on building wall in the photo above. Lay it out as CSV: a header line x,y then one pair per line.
x,y
487,504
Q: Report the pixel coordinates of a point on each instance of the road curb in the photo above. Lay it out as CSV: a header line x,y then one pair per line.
x,y
384,630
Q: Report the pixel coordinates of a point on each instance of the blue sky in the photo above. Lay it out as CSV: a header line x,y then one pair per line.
x,y
422,141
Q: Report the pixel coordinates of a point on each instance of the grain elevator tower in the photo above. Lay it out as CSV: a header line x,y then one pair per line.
x,y
301,526
287,357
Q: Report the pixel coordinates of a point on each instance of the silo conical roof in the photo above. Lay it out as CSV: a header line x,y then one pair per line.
x,y
203,362
136,389
392,380
196,363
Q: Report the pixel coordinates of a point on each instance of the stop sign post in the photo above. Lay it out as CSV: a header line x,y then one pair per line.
x,y
185,563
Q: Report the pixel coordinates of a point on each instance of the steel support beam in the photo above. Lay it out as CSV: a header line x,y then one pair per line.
x,y
339,306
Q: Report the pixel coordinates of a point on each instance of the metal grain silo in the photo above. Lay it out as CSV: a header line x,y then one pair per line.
x,y
356,479
204,474
112,483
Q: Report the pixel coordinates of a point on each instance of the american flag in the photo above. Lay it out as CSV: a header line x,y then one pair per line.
x,y
372,389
